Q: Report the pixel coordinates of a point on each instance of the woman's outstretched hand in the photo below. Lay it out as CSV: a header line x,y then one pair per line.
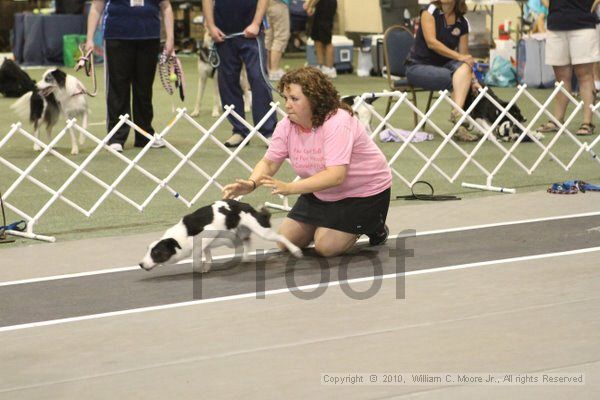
x,y
239,188
277,186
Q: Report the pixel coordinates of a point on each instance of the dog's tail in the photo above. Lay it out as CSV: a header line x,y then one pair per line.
x,y
22,107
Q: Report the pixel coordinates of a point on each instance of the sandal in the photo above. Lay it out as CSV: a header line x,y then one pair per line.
x,y
585,129
455,116
463,135
548,127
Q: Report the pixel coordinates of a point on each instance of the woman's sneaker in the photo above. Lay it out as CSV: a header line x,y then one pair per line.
x,y
379,237
329,72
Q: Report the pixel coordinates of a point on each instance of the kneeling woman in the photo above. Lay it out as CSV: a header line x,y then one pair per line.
x,y
345,185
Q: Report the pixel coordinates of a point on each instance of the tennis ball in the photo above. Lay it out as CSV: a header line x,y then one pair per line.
x,y
173,77
286,67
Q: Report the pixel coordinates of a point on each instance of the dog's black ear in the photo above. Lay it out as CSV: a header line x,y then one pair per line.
x,y
371,100
265,211
349,100
60,77
172,242
263,217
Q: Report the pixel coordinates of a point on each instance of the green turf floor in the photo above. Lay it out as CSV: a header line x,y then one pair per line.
x,y
116,217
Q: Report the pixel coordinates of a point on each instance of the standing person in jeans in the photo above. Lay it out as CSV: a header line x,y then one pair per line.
x,y
572,46
345,185
131,49
229,17
440,59
277,36
321,32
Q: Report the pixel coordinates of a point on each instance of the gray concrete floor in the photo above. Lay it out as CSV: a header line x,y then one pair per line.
x,y
526,316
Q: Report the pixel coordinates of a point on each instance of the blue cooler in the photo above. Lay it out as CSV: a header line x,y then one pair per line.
x,y
343,53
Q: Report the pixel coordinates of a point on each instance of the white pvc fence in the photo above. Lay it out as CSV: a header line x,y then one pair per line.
x,y
207,135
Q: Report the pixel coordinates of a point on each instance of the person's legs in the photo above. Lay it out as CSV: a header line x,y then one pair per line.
x,y
274,59
461,84
322,34
597,75
585,51
320,52
585,77
230,90
331,242
120,68
562,73
261,92
297,232
329,55
429,77
279,19
146,53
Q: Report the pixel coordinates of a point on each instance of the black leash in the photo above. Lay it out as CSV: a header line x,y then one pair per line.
x,y
418,194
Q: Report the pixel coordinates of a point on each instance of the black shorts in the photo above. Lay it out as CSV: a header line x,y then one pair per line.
x,y
358,215
322,24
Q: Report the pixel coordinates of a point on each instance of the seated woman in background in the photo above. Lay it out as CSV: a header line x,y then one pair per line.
x,y
439,58
345,186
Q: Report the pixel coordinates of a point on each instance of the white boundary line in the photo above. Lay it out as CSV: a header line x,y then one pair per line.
x,y
425,233
298,288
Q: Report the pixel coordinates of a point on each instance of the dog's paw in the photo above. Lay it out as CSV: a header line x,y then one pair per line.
x,y
205,267
215,112
74,151
195,113
296,252
37,147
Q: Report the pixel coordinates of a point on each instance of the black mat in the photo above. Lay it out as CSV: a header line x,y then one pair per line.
x,y
42,301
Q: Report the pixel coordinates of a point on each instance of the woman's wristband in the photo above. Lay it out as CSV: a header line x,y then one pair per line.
x,y
253,183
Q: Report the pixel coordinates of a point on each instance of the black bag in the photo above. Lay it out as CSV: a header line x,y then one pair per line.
x,y
14,82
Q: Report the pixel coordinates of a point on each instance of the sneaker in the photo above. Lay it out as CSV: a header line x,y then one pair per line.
x,y
234,141
276,75
158,143
329,72
118,147
379,237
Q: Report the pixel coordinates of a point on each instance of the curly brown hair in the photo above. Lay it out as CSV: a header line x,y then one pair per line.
x,y
323,97
460,7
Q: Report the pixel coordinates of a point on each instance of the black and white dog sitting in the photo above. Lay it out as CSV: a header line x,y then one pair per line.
x,y
485,113
55,94
223,216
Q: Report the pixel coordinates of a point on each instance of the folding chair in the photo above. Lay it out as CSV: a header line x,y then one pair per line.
x,y
397,42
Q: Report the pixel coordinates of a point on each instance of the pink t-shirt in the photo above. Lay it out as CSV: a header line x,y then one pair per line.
x,y
341,140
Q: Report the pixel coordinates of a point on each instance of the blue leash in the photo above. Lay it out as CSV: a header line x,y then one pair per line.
x,y
18,226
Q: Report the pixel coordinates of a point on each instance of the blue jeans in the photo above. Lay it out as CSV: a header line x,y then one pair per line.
x,y
432,77
233,52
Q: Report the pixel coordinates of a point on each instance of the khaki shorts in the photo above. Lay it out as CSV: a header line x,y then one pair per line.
x,y
580,46
278,34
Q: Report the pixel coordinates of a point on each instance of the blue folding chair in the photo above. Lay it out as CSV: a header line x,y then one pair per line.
x,y
397,43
